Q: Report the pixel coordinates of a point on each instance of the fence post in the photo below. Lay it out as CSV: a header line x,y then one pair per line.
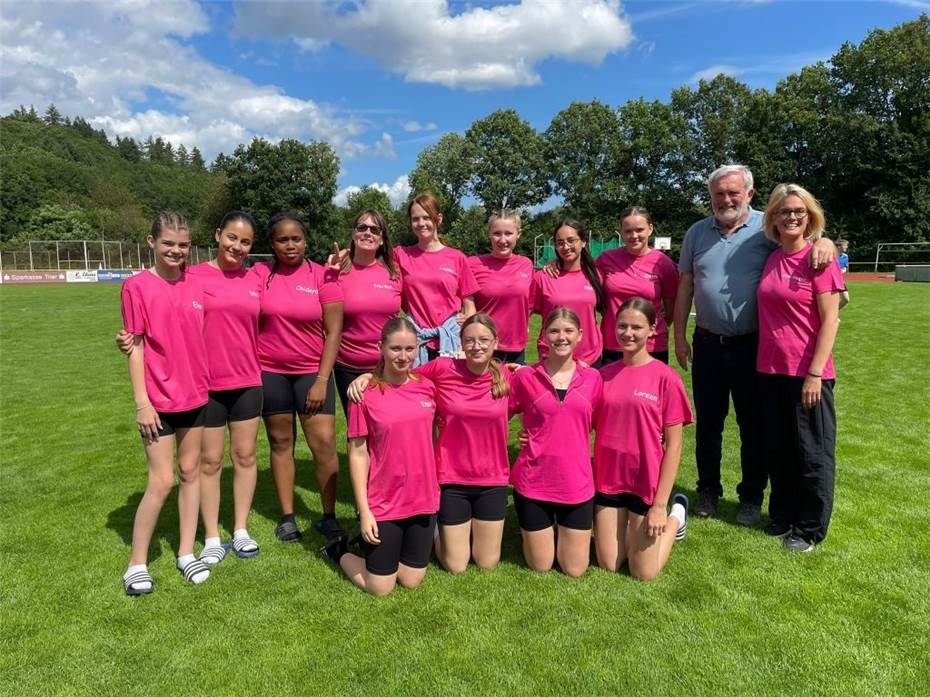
x,y
878,250
57,256
31,267
86,263
121,256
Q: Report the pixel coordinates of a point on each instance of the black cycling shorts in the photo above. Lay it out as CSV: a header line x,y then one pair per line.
x,y
171,421
459,504
538,515
631,502
408,541
287,394
226,406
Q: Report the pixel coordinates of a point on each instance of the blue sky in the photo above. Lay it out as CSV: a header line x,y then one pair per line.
x,y
381,79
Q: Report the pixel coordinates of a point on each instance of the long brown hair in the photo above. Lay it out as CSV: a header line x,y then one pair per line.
x,y
386,251
587,261
393,325
499,386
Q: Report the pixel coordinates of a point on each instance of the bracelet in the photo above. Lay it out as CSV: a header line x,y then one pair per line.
x,y
815,375
144,406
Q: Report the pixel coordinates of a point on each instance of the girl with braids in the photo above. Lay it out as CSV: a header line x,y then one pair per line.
x,y
163,311
576,285
393,469
299,331
504,282
471,452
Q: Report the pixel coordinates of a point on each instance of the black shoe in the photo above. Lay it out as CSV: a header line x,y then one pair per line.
x,y
334,548
706,506
287,531
330,529
749,514
796,543
777,529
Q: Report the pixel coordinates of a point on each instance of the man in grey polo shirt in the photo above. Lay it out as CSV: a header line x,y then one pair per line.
x,y
720,265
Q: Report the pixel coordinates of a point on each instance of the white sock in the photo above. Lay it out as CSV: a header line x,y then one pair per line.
x,y
243,534
141,585
678,511
240,534
197,578
212,542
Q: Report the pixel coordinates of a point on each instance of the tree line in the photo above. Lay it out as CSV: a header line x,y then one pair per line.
x,y
854,130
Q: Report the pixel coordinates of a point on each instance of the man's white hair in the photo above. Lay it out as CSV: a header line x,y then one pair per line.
x,y
727,170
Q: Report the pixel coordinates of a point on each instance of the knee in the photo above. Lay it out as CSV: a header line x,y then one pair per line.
x,y
411,582
537,565
380,588
487,560
210,465
189,473
324,454
161,485
280,445
455,565
643,572
244,459
574,570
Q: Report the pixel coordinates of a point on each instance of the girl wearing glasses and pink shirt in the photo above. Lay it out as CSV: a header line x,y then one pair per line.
x,y
574,283
505,282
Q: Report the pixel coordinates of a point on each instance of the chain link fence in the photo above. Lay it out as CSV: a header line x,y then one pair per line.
x,y
74,255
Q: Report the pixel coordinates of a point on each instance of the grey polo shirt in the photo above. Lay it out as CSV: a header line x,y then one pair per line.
x,y
726,272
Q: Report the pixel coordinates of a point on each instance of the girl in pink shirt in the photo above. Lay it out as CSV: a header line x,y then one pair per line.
x,y
552,479
393,470
505,282
636,269
163,310
438,283
576,285
298,338
637,451
798,321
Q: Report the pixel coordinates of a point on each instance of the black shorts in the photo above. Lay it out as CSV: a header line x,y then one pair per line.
x,y
631,502
171,421
226,406
459,504
344,376
408,541
287,394
511,356
609,356
538,515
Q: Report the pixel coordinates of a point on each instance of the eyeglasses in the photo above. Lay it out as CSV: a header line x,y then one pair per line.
x,y
570,242
374,229
480,343
798,213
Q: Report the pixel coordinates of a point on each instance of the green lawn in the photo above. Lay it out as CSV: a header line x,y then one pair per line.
x,y
732,613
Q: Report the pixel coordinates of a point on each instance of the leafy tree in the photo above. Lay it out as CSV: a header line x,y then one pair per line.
x,y
54,222
128,149
508,161
445,169
470,232
181,156
52,115
197,159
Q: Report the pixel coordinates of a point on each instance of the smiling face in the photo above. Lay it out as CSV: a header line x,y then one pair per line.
x,y
289,243
791,220
730,199
171,248
425,228
479,344
562,336
635,231
504,236
568,245
399,351
234,242
367,234
633,330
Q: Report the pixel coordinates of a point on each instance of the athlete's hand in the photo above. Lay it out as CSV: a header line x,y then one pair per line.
x,y
358,386
124,341
655,521
551,268
683,353
810,391
316,395
339,260
523,438
822,254
369,528
149,423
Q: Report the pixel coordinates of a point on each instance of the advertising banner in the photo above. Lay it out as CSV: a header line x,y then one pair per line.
x,y
113,275
81,276
34,277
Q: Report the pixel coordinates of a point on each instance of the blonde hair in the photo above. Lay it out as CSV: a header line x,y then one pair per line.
x,y
499,386
505,214
392,326
816,222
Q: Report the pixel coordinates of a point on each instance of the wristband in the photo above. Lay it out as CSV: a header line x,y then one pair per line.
x,y
815,375
144,406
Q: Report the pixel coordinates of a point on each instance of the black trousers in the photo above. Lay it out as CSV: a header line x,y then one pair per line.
x,y
344,377
800,453
722,368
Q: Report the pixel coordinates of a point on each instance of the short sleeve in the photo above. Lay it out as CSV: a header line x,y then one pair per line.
x,y
133,309
676,409
432,369
330,288
828,280
468,286
356,423
536,302
668,276
686,258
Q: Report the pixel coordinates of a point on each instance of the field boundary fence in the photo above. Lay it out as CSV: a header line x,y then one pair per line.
x,y
85,255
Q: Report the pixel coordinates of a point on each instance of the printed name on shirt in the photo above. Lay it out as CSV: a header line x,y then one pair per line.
x,y
798,278
382,286
645,395
196,305
304,289
426,404
447,269
253,293
649,275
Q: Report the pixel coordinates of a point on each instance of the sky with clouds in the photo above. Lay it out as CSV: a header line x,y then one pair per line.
x,y
381,79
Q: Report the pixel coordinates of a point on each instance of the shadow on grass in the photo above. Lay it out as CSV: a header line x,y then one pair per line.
x,y
167,531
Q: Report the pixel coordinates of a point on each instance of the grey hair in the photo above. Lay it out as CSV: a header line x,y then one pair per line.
x,y
727,170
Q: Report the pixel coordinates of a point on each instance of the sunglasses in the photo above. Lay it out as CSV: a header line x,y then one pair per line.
x,y
374,229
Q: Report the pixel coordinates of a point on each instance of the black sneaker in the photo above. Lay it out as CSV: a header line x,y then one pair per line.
x,y
330,528
749,514
796,543
706,506
777,529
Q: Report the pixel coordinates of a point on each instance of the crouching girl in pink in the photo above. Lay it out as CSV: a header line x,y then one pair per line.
x,y
637,450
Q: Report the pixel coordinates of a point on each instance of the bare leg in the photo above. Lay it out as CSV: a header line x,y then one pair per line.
x,y
354,568
409,577
320,431
610,526
242,435
574,550
189,441
539,548
453,547
212,450
280,429
648,555
161,480
486,536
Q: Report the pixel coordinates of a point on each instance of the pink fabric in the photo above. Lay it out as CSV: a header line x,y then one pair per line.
x,y
571,290
637,404
652,276
398,425
169,317
504,287
435,283
556,463
370,299
290,330
473,426
232,300
789,320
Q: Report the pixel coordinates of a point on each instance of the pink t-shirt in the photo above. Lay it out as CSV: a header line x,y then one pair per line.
x,y
370,298
435,283
398,424
789,320
637,404
572,290
504,287
652,276
290,330
473,426
556,463
230,325
169,317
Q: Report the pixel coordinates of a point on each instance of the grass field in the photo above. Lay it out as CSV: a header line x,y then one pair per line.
x,y
732,613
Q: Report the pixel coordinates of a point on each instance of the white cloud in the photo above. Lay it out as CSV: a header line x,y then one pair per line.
x,y
385,147
416,126
773,65
397,192
103,60
715,70
478,48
